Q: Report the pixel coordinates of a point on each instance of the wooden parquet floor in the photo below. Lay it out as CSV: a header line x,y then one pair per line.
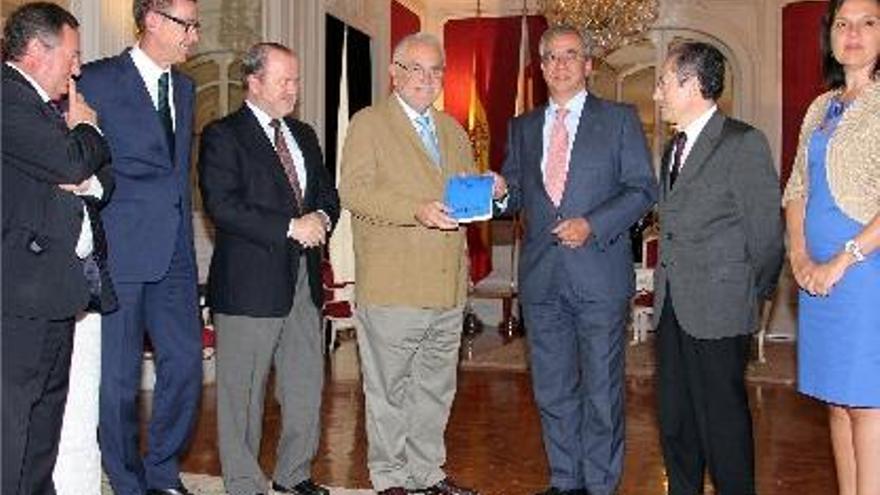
x,y
494,436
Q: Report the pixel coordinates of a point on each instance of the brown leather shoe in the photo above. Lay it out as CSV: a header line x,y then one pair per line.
x,y
448,487
394,490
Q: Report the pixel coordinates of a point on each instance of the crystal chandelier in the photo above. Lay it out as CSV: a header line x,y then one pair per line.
x,y
610,24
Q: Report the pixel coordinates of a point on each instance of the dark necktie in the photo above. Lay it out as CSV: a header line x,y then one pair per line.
x,y
58,112
287,162
164,109
679,142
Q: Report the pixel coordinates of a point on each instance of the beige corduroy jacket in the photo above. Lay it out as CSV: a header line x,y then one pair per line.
x,y
386,175
852,158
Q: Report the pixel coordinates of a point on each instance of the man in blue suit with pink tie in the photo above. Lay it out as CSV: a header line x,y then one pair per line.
x,y
579,171
145,110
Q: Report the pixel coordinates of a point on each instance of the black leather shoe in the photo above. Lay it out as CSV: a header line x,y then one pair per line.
x,y
307,487
448,487
556,491
394,490
180,490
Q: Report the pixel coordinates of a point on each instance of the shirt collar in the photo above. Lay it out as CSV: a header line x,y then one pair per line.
x,y
150,70
574,106
694,129
412,113
39,89
262,117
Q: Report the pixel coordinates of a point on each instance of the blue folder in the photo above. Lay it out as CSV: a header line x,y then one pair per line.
x,y
469,197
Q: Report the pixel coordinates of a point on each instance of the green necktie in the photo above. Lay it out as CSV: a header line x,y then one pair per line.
x,y
165,111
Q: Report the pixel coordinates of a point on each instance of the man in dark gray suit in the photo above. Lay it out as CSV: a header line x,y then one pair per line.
x,y
720,255
50,247
579,171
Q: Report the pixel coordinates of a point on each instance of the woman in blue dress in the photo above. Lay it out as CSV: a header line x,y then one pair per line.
x,y
832,204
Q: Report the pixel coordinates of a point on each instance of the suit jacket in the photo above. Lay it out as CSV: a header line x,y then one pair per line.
x,y
721,243
151,206
610,182
247,194
42,277
386,175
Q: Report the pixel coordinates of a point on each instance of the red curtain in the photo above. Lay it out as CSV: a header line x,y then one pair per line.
x,y
403,22
496,41
801,71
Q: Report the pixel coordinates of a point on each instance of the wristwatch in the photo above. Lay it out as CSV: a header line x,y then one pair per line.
x,y
852,247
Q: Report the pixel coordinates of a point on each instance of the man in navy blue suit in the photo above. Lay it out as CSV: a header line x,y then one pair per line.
x,y
146,113
580,172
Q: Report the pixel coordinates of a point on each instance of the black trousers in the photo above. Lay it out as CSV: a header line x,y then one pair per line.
x,y
36,368
704,410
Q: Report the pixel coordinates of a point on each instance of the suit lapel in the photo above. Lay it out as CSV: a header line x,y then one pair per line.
x,y
444,141
310,161
533,130
586,138
137,87
263,152
13,76
404,127
703,148
182,108
664,170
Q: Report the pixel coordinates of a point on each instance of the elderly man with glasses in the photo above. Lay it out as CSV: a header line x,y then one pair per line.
x,y
411,266
145,110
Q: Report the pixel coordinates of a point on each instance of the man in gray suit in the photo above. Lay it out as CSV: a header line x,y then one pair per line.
x,y
579,171
720,255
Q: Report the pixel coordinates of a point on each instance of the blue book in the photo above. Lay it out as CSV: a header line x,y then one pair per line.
x,y
469,197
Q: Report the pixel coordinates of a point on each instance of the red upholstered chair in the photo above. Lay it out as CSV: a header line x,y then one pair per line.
x,y
337,312
643,302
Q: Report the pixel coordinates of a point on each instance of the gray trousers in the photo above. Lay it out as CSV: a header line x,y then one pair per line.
x,y
246,349
409,358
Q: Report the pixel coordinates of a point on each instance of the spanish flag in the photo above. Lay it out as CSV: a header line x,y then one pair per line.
x,y
479,233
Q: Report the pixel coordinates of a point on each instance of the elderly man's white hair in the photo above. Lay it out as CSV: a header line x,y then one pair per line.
x,y
427,39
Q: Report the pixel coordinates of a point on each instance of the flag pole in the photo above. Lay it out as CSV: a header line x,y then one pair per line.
x,y
472,324
511,326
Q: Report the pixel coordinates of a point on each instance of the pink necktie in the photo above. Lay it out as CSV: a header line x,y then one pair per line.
x,y
557,158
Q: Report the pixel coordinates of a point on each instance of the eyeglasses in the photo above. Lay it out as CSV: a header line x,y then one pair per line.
x,y
421,72
563,58
188,26
664,81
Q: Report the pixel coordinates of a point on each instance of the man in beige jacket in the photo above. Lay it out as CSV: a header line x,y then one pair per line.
x,y
411,269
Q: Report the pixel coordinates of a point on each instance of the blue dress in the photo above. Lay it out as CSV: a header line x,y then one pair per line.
x,y
838,335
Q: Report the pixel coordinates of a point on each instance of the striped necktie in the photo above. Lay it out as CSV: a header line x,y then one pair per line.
x,y
429,139
557,158
287,162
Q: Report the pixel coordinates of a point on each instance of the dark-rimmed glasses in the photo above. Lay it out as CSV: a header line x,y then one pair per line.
x,y
188,26
421,72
